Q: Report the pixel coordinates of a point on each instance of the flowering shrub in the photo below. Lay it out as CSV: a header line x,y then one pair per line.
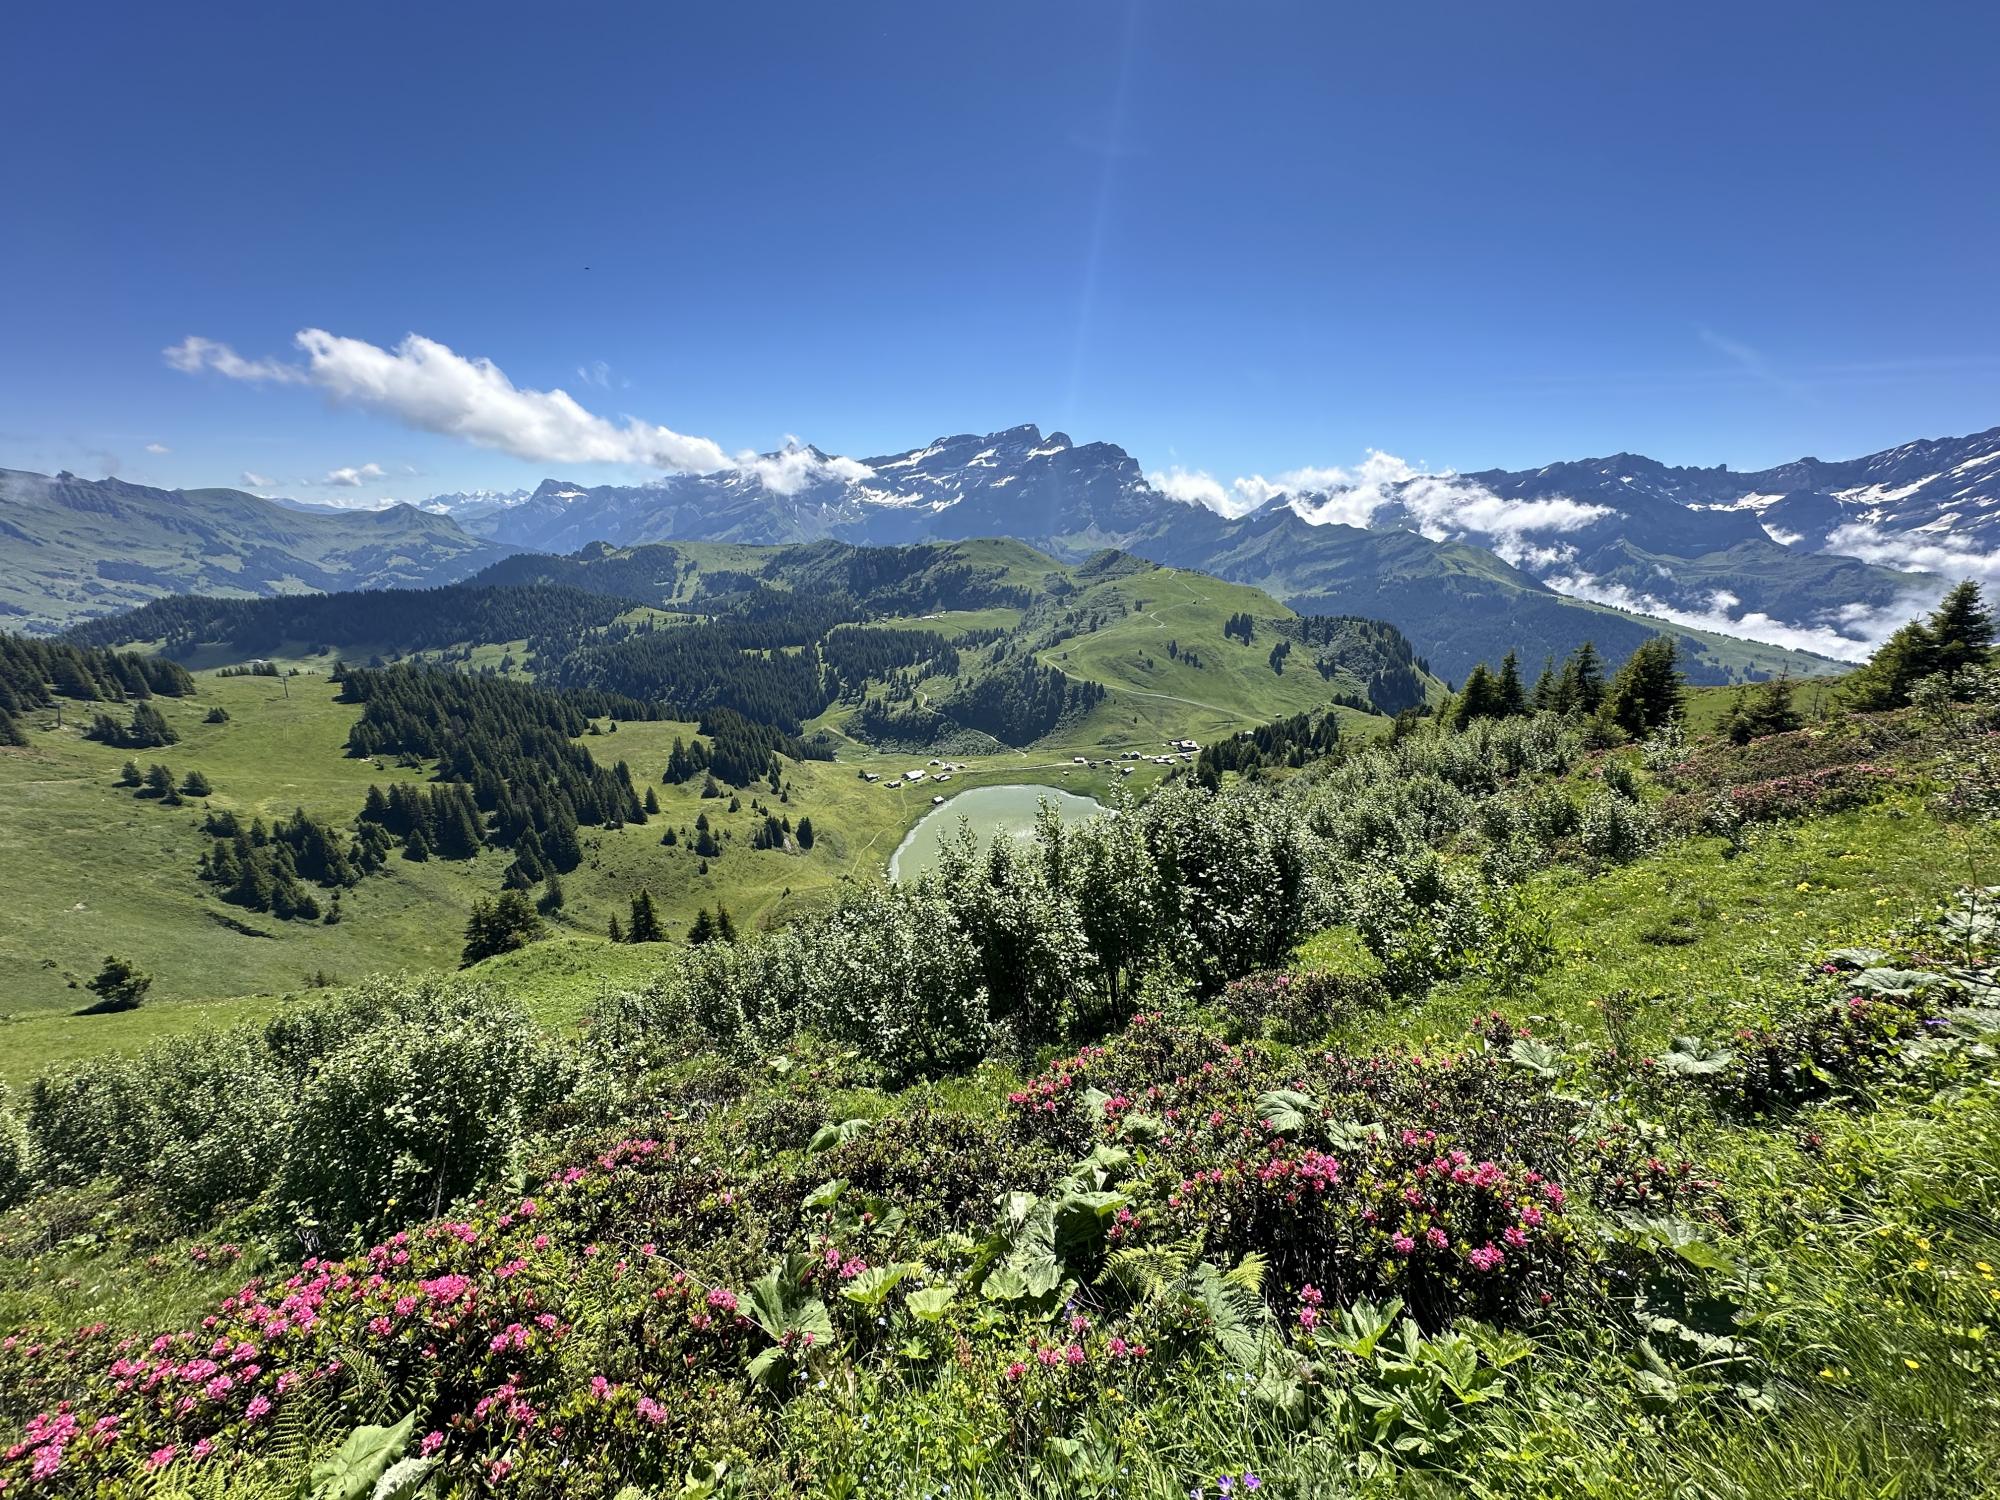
x,y
1293,1007
484,1322
1834,789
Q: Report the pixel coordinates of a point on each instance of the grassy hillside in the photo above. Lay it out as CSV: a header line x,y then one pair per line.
x,y
1684,1137
87,867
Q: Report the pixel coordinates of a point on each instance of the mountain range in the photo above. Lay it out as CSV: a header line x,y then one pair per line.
x,y
1788,568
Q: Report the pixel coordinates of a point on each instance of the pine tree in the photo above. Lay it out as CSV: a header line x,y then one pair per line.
x,y
194,784
725,926
645,927
652,801
500,927
1648,689
702,930
1510,699
805,834
552,893
1961,630
1480,698
613,930
159,781
1957,635
128,774
119,985
1544,696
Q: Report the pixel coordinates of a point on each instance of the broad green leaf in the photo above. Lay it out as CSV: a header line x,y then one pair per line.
x,y
872,1287
1536,1055
837,1133
931,1302
1286,1110
351,1472
826,1193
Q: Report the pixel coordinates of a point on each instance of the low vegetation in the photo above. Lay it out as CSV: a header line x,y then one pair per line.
x,y
1345,1117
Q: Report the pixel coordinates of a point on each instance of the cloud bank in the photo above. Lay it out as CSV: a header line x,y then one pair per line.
x,y
1941,553
352,478
1850,632
1442,507
428,386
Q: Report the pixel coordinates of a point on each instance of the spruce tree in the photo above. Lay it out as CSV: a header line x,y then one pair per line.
x,y
1648,689
194,784
1510,699
645,926
1544,696
702,930
725,926
1479,699
552,893
805,833
613,930
652,801
1961,631
128,774
119,985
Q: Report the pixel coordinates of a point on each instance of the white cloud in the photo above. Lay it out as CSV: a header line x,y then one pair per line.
x,y
1929,552
193,355
256,481
352,478
158,448
1441,506
426,385
1850,632
1193,487
795,466
596,373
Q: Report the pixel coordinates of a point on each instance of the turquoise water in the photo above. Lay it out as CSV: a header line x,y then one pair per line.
x,y
992,810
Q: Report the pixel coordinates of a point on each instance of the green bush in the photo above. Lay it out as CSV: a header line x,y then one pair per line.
x,y
412,1115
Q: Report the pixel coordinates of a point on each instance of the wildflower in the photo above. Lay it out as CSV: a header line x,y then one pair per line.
x,y
431,1443
1402,1244
159,1458
1016,1370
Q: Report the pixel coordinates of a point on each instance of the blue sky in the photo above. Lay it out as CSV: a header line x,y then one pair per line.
x,y
1237,239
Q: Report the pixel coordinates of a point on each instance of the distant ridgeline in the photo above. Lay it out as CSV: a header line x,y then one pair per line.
x,y
33,673
405,619
776,636
877,580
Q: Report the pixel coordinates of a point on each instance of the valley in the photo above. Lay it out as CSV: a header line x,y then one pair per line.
x,y
1153,644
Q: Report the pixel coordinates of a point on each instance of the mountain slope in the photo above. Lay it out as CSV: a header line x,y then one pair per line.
x,y
1607,549
71,548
